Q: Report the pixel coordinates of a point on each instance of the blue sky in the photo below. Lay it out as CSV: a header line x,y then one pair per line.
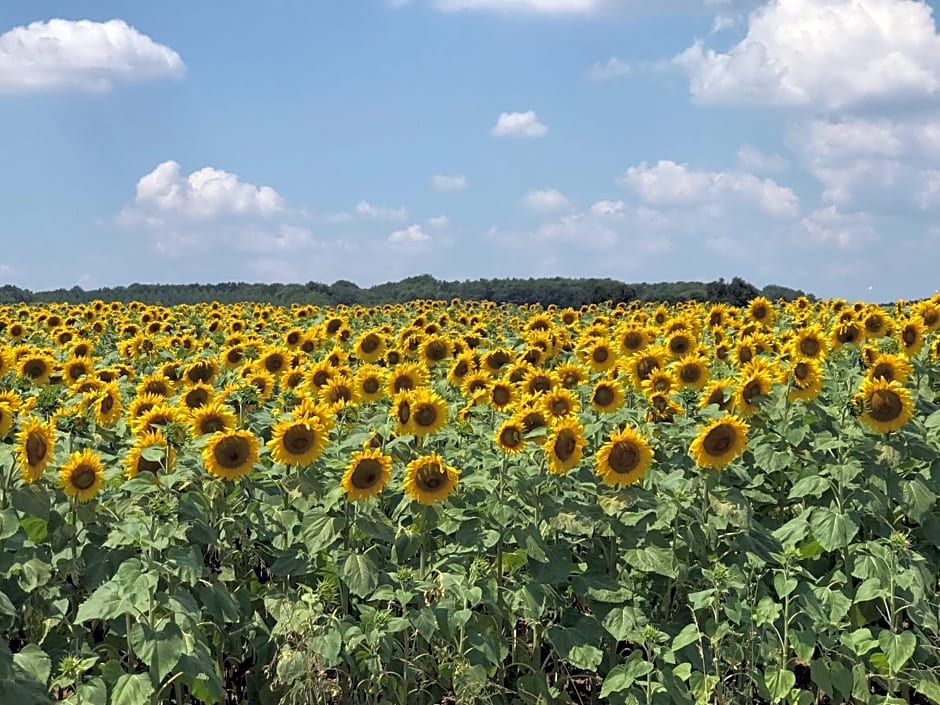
x,y
792,141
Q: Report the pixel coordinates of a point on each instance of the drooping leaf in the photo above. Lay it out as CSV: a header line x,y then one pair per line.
x,y
132,690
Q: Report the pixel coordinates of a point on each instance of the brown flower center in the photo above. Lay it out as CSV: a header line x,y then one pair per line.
x,y
565,445
83,477
604,396
298,439
36,449
426,415
430,477
885,405
231,452
511,437
719,440
366,473
624,457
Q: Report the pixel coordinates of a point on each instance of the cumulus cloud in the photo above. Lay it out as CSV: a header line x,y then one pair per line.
x,y
519,125
365,208
667,183
609,70
754,160
413,233
547,201
81,55
440,221
846,230
443,182
205,193
822,53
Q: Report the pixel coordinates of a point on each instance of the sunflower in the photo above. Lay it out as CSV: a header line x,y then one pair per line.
x,y
929,314
319,375
633,338
887,406
755,385
158,418
805,380
297,442
720,442
316,411
229,455
810,342
496,359
571,375
37,367
679,344
429,479
893,368
82,475
624,459
691,372
607,396
263,382
599,354
560,403
155,384
510,436
876,324
659,382
564,446
461,366
198,395
911,336
339,393
539,381
848,333
435,349
107,403
641,365
136,462
370,382
501,395
212,418
761,311
370,346
36,445
274,361
475,384
407,376
367,474
428,412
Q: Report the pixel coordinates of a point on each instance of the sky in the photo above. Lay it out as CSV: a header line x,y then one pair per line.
x,y
791,142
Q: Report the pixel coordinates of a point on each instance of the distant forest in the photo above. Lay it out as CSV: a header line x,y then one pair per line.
x,y
556,290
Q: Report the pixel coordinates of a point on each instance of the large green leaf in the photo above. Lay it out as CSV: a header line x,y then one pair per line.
x,y
35,662
832,529
128,592
132,690
360,573
159,648
918,498
897,647
779,682
623,676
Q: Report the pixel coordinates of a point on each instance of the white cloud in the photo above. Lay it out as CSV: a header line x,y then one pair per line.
x,y
440,221
670,184
365,208
205,193
752,159
547,201
519,125
609,70
880,165
443,182
81,55
413,233
822,53
830,225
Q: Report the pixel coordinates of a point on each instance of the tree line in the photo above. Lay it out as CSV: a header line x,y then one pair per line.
x,y
560,291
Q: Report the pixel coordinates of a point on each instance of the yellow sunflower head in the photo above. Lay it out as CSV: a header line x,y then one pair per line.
x,y
82,475
297,442
151,453
887,406
564,446
559,403
366,475
229,455
429,479
607,396
510,436
36,444
720,442
624,459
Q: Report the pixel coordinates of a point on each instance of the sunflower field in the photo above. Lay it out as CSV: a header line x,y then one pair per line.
x,y
460,502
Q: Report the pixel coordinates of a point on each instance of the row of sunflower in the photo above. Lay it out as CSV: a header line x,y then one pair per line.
x,y
170,376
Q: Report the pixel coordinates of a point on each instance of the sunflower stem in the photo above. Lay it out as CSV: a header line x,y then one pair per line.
x,y
7,482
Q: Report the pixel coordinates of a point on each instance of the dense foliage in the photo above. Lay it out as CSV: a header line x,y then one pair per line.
x,y
559,291
471,503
